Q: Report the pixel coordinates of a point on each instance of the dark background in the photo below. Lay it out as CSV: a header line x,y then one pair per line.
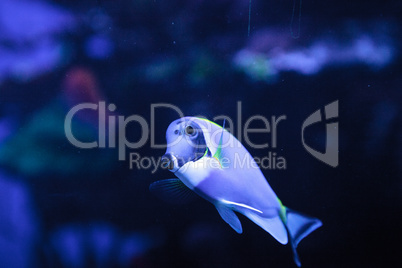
x,y
67,207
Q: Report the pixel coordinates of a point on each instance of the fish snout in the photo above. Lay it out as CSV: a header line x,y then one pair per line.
x,y
170,162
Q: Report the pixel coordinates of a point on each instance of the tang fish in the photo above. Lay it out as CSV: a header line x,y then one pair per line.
x,y
210,161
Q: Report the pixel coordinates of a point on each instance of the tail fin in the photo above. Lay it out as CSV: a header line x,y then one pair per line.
x,y
299,226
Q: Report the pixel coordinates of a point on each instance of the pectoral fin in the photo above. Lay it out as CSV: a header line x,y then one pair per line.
x,y
230,217
172,191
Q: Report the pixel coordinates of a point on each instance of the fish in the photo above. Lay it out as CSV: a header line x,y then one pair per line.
x,y
209,161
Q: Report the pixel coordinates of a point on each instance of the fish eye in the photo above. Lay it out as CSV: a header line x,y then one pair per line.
x,y
176,132
190,131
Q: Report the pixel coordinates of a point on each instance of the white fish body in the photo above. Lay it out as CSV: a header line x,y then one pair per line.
x,y
214,164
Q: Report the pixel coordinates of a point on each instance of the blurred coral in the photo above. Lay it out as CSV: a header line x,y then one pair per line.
x,y
40,147
29,44
99,244
19,226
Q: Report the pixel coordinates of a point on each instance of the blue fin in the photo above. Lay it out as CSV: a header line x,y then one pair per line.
x,y
173,191
274,226
299,226
230,217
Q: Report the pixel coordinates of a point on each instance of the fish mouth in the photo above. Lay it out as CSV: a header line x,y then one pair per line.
x,y
173,163
170,162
